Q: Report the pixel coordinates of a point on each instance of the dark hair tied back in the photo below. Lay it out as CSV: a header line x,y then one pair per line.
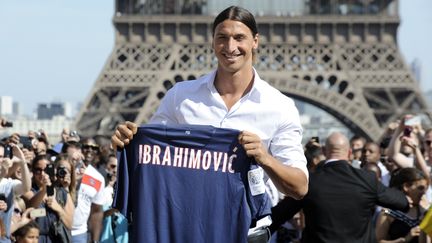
x,y
238,14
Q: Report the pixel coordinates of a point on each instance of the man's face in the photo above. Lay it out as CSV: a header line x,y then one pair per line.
x,y
371,153
41,148
65,134
356,147
90,150
233,45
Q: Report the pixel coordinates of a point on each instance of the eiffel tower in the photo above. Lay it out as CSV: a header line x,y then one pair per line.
x,y
341,56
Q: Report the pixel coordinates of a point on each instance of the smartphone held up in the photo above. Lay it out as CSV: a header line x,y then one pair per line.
x,y
409,123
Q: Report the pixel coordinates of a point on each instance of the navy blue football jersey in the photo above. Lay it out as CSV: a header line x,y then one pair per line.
x,y
188,183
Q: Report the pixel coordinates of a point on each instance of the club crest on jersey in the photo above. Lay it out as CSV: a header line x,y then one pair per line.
x,y
90,181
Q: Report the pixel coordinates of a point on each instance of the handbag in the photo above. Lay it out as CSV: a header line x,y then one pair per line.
x,y
59,233
57,230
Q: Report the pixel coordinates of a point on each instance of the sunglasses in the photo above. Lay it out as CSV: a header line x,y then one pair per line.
x,y
112,166
421,188
17,211
428,142
38,171
90,147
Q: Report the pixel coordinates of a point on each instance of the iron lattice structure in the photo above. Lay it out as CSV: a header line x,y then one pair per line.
x,y
349,65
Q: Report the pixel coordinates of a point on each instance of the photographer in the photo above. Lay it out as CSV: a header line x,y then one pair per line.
x,y
9,155
65,178
57,202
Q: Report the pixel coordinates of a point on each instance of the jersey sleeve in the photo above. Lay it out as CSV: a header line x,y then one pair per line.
x,y
122,186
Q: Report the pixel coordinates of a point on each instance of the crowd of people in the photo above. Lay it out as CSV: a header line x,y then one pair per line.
x,y
363,191
55,192
72,182
338,191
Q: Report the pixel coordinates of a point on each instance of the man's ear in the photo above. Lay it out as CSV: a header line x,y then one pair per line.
x,y
256,41
405,187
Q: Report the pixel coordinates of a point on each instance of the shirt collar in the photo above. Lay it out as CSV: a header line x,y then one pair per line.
x,y
254,93
331,160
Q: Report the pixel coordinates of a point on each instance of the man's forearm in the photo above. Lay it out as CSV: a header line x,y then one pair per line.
x,y
289,180
95,221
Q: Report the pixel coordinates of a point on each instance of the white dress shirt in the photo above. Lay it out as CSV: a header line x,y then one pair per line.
x,y
264,111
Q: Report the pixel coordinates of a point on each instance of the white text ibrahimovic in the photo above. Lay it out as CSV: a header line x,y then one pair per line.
x,y
186,158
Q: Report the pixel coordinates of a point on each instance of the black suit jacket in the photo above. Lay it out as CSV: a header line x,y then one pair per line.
x,y
339,205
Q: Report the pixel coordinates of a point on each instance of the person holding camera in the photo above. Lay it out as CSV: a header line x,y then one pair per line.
x,y
56,201
65,174
404,148
10,155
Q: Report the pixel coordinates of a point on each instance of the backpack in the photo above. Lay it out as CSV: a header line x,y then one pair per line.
x,y
115,227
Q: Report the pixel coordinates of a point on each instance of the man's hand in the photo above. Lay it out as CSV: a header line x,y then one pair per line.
x,y
3,205
18,155
123,134
14,139
253,146
53,204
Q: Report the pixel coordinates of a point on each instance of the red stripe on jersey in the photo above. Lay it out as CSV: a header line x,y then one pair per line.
x,y
88,180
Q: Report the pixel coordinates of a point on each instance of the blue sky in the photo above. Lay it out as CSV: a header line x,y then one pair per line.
x,y
54,50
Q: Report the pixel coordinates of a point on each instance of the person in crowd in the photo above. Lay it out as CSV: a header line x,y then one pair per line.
x,y
56,201
10,188
74,152
372,153
64,137
314,154
373,167
90,198
404,147
21,214
28,233
357,143
66,176
341,200
42,146
105,149
91,154
395,226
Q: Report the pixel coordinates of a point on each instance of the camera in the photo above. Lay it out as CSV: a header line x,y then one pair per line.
x,y
50,170
8,152
50,190
73,134
26,142
7,124
407,131
61,171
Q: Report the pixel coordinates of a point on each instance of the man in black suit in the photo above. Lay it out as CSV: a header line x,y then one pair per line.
x,y
341,199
